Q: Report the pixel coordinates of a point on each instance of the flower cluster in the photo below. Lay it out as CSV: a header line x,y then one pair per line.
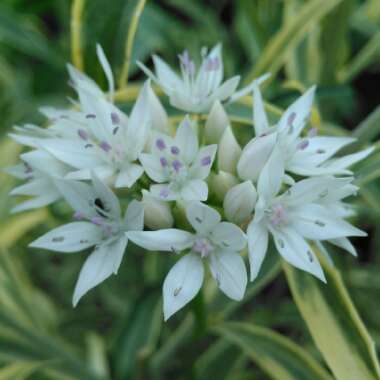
x,y
285,183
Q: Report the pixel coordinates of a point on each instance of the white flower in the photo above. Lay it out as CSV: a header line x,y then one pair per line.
x,y
307,156
311,209
38,169
215,241
196,89
179,165
99,224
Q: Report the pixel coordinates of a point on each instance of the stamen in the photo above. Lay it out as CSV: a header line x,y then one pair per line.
x,y
175,150
177,165
319,223
114,131
83,134
78,215
303,144
291,118
321,151
160,144
105,146
205,161
176,291
58,239
312,132
115,118
164,193
163,161
98,221
90,116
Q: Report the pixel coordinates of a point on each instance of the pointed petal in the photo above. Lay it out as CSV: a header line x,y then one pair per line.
x,y
102,263
165,74
164,192
345,244
247,89
295,250
349,160
217,121
106,68
43,200
160,121
202,164
171,240
229,236
182,283
129,175
257,247
226,89
187,140
260,121
134,216
72,237
202,218
153,167
195,190
230,273
229,152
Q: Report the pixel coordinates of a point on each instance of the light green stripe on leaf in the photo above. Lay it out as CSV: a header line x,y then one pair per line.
x,y
334,324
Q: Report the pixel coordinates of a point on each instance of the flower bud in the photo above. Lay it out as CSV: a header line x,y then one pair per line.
x,y
157,214
229,152
159,117
217,122
255,155
239,202
220,183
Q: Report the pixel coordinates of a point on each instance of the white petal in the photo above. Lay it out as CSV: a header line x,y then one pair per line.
x,y
229,236
187,140
129,175
37,202
295,250
106,68
229,152
271,176
102,263
247,89
226,89
348,160
35,187
182,283
345,244
108,198
153,167
139,123
316,222
202,218
216,123
239,202
202,164
72,237
298,113
171,240
165,74
159,118
230,273
255,155
257,247
260,121
164,192
134,216
220,183
45,162
195,190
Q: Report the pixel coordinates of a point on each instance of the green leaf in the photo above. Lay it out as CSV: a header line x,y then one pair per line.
x,y
334,323
278,356
18,370
290,35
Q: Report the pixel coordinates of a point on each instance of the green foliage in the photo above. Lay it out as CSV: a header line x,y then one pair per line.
x,y
118,332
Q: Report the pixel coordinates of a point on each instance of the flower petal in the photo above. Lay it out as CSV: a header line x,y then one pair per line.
x,y
102,263
260,121
201,167
182,283
186,140
229,271
129,175
153,167
229,152
257,247
229,236
202,218
345,244
165,74
106,68
72,237
134,216
195,190
217,121
170,240
295,250
164,192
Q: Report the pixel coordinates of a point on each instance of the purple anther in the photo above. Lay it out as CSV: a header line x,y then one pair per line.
x,y
90,116
28,168
321,151
115,130
78,215
303,144
97,220
174,150
205,161
164,193
177,165
82,134
105,146
160,144
115,118
312,132
163,162
291,118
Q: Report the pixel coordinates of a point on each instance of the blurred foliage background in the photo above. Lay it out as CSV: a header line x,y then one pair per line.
x,y
289,325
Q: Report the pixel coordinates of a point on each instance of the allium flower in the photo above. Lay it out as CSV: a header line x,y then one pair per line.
x,y
179,165
307,156
196,89
38,169
214,241
100,224
311,209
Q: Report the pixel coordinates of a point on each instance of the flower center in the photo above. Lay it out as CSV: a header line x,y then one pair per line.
x,y
278,215
203,246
